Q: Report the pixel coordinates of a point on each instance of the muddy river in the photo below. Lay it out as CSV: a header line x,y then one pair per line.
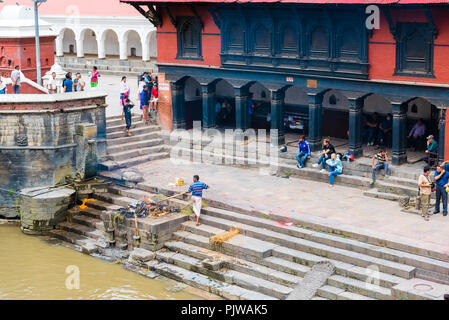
x,y
31,268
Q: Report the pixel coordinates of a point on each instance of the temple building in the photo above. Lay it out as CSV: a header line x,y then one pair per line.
x,y
324,64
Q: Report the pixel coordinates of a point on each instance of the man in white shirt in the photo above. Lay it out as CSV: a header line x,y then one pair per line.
x,y
15,77
52,85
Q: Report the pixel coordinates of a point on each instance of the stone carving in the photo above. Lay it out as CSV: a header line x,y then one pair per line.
x,y
22,140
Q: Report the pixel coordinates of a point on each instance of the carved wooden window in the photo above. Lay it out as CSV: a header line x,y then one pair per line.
x,y
289,39
189,38
414,49
319,42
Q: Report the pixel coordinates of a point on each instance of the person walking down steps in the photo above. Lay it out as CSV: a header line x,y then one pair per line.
x,y
127,115
196,188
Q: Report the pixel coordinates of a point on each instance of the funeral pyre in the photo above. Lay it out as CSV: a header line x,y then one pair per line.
x,y
146,208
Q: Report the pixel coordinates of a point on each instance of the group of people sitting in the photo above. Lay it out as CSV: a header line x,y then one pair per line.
x,y
223,113
377,130
330,159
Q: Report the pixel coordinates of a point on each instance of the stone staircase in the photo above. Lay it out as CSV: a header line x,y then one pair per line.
x,y
400,186
267,259
144,145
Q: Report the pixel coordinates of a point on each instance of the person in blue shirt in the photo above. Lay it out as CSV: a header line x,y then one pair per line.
x,y
68,83
196,188
145,96
335,168
304,152
127,114
251,107
442,181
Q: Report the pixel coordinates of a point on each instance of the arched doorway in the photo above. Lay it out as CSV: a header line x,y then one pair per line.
x,y
193,102
335,121
377,110
225,99
260,96
111,43
296,111
90,44
423,111
68,41
133,44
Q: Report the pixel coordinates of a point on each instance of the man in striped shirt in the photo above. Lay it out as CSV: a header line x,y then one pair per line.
x,y
382,163
196,188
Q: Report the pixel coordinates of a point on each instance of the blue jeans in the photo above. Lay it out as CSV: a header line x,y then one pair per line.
x,y
16,89
441,193
322,160
378,167
302,159
332,174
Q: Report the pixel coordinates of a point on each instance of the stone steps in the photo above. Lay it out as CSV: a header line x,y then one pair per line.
x,y
251,223
328,292
205,283
232,277
308,172
293,261
323,250
121,127
89,222
142,135
110,165
81,229
117,120
123,151
244,248
224,261
360,287
114,199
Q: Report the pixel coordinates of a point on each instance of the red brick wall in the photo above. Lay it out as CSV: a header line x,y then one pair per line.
x,y
22,52
167,38
164,104
382,47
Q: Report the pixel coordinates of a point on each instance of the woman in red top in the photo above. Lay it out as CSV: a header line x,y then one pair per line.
x,y
154,97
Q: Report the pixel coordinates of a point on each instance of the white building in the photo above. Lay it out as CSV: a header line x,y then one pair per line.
x,y
100,28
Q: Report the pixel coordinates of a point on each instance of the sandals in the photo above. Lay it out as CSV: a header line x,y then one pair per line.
x,y
426,217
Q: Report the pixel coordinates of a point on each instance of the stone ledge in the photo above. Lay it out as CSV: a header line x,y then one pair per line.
x,y
51,98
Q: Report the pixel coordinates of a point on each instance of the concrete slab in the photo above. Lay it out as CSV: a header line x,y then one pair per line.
x,y
418,289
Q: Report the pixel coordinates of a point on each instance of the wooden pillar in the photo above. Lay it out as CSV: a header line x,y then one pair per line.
x,y
208,93
277,114
315,120
355,127
241,108
178,105
441,135
399,154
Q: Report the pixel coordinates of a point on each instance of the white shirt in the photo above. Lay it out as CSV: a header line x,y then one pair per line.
x,y
52,84
2,85
141,84
15,74
124,87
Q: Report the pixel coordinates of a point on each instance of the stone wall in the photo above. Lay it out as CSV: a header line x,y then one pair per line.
x,y
42,138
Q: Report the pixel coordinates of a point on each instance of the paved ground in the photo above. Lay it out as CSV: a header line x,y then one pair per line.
x,y
342,206
111,84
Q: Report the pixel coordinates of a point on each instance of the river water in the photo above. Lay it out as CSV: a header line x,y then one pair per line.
x,y
31,268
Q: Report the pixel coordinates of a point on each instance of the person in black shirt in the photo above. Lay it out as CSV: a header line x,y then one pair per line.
x,y
328,149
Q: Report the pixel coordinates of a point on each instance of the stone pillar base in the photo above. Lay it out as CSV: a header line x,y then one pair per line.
x,y
398,159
